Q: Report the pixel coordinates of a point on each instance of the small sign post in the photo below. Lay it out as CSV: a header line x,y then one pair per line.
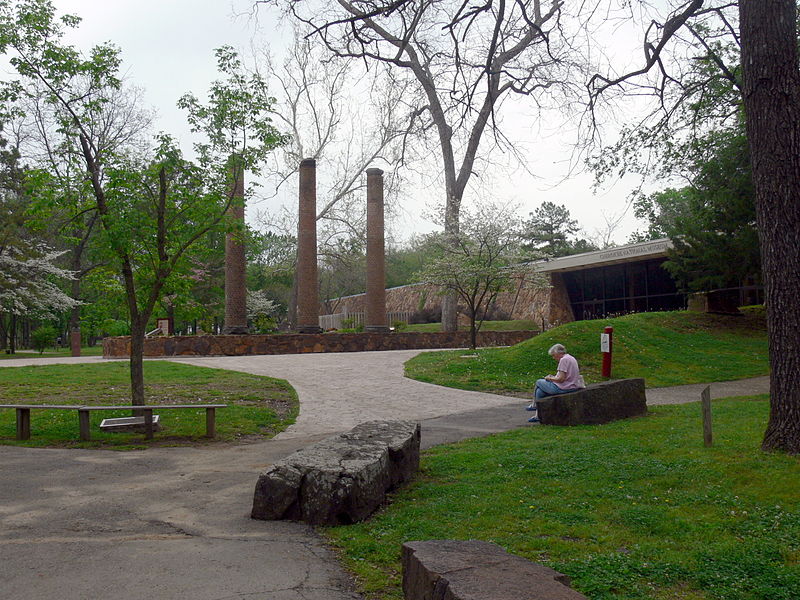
x,y
165,325
606,347
705,401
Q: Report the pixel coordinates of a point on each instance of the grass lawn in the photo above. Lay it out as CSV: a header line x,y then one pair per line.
x,y
630,510
258,406
518,325
50,353
668,348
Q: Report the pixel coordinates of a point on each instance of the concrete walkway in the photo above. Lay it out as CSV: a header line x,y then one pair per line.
x,y
173,522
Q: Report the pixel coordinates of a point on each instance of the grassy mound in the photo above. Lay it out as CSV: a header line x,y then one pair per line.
x,y
636,509
668,348
258,407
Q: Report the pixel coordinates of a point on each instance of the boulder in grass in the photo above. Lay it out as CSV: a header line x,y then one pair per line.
x,y
342,479
595,404
475,570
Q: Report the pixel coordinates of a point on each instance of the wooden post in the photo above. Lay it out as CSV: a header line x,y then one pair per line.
x,y
83,422
148,423
705,401
23,423
211,424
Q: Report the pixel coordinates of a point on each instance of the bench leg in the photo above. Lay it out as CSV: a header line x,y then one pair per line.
x,y
148,423
83,422
23,423
211,422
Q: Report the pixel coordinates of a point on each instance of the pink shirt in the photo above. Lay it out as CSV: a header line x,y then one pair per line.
x,y
569,365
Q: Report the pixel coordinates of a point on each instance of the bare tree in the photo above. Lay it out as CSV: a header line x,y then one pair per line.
x,y
463,58
315,104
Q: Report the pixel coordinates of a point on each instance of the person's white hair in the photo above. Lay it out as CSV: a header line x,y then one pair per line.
x,y
556,349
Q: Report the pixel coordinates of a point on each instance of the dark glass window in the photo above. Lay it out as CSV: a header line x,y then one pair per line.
x,y
658,280
593,284
617,289
615,281
573,281
637,279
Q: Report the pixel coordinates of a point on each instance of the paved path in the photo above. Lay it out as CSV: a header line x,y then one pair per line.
x,y
173,522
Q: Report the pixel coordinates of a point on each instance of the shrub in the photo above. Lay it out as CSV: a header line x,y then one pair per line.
x,y
754,310
427,315
43,337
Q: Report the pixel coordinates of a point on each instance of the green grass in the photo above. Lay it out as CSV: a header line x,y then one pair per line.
x,y
51,353
636,509
258,407
668,348
518,325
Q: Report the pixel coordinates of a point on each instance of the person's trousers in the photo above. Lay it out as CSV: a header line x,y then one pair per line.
x,y
546,388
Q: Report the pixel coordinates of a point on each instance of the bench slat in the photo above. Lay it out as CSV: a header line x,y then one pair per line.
x,y
50,406
151,407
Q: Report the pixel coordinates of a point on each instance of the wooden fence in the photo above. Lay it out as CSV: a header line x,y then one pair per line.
x,y
356,319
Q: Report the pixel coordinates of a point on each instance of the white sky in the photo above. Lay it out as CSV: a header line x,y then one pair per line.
x,y
167,49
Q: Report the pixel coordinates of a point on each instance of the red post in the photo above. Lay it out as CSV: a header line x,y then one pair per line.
x,y
606,347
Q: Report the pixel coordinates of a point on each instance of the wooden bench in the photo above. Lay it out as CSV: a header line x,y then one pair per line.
x,y
24,416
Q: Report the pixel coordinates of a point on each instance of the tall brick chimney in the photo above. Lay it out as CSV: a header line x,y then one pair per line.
x,y
375,318
306,274
235,263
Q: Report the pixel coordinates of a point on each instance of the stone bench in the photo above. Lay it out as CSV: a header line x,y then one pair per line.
x,y
24,416
342,479
595,404
474,570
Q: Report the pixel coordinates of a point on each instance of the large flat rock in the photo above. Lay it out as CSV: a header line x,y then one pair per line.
x,y
475,570
596,404
342,479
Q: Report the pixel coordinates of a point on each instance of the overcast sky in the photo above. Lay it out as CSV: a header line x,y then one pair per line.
x,y
167,49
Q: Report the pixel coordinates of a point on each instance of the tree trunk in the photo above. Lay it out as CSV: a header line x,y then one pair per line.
x,y
12,334
473,333
75,318
451,226
137,362
3,332
772,107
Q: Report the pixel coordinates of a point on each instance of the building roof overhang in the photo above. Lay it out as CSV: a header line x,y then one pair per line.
x,y
609,256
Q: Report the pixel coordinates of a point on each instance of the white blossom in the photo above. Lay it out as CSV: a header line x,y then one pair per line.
x,y
28,283
259,305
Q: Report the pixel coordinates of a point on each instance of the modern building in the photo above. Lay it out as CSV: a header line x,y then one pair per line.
x,y
591,285
614,281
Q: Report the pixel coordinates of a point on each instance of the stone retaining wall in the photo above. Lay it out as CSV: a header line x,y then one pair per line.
x,y
540,304
241,345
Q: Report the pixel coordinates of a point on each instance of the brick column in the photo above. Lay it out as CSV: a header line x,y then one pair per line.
x,y
375,318
306,274
75,341
235,263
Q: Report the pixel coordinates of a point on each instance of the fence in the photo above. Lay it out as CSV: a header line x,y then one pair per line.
x,y
356,319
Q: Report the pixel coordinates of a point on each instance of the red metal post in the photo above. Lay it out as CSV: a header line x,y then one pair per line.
x,y
607,349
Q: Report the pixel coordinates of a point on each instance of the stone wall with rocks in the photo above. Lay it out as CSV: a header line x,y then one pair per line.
x,y
342,479
300,343
475,570
548,305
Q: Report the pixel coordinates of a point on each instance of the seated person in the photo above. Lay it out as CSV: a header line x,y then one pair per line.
x,y
566,379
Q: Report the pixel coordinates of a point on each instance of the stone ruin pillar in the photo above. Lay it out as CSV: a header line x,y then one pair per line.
x,y
75,341
306,274
375,318
235,262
